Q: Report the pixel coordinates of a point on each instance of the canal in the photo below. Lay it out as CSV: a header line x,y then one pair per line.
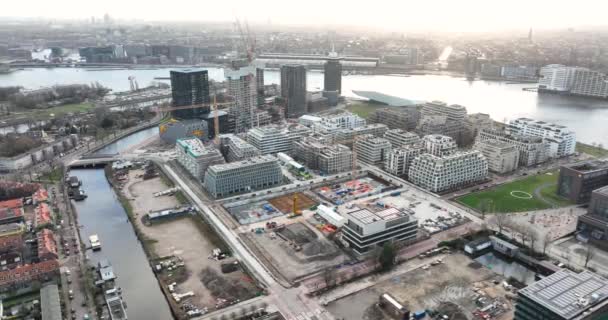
x,y
129,141
102,214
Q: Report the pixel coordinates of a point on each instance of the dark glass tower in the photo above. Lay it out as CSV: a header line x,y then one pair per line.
x,y
293,89
333,75
190,87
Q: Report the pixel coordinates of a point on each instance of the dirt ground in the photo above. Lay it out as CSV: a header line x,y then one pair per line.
x,y
458,280
285,203
317,252
182,238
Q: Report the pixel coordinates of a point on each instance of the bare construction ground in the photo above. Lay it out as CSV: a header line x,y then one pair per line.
x,y
296,250
184,238
451,287
285,203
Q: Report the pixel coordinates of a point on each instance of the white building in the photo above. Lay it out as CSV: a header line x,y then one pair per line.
x,y
400,138
256,173
556,77
439,145
273,139
241,84
453,112
502,157
399,160
562,141
532,150
334,122
439,174
195,157
589,83
308,120
372,150
237,149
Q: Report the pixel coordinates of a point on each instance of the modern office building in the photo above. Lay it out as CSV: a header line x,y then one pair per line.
x,y
593,226
556,77
273,139
589,83
400,159
293,89
190,87
561,140
502,157
242,87
370,227
403,118
195,157
237,149
440,174
255,173
564,295
173,130
372,150
577,181
400,138
327,158
439,145
333,122
332,78
532,150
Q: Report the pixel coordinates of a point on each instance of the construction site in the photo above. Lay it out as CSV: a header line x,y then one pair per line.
x,y
451,286
250,213
196,272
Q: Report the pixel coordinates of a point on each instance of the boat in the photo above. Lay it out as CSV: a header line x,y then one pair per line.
x,y
79,195
95,243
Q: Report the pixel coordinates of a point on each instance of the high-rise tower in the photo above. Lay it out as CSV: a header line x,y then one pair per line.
x,y
190,87
293,89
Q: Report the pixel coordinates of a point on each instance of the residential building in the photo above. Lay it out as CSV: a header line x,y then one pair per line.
x,y
327,158
477,121
316,102
502,157
370,227
43,216
293,89
589,83
453,112
50,304
400,159
400,138
308,120
174,130
332,78
403,118
532,150
259,84
333,122
190,87
372,150
577,181
439,145
406,56
47,246
347,136
564,295
237,149
440,174
23,276
273,139
261,118
441,124
243,176
593,226
8,215
517,72
556,77
43,153
561,140
195,157
242,87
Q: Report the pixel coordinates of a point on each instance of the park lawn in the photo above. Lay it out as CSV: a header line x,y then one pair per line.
x,y
363,108
591,150
62,110
501,200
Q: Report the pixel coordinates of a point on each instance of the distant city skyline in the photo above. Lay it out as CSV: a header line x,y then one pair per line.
x,y
442,15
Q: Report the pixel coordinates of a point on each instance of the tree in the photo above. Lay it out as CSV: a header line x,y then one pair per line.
x,y
387,257
546,242
589,254
107,122
485,206
501,221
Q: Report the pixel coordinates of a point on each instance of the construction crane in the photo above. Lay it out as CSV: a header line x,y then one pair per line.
x,y
296,212
247,40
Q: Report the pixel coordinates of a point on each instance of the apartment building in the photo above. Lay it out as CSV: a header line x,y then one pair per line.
x,y
255,173
439,145
195,157
274,139
400,138
242,86
532,150
561,140
404,118
327,158
347,136
237,149
440,174
370,227
589,83
502,157
372,150
556,77
400,159
453,112
333,122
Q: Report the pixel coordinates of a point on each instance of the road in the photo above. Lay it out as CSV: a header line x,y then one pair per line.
x,y
291,302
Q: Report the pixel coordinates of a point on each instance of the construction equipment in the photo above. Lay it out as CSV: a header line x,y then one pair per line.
x,y
296,212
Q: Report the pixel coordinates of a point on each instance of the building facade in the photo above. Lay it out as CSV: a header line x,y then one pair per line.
x,y
372,150
577,181
293,89
440,174
556,77
439,145
256,173
327,158
333,122
593,226
532,150
190,87
195,157
400,138
561,140
171,131
502,157
399,160
332,79
237,149
589,83
405,118
242,87
274,139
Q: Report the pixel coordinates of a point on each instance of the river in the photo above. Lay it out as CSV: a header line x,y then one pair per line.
x,y
503,101
102,214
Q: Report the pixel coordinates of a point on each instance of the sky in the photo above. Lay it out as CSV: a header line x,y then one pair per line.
x,y
432,15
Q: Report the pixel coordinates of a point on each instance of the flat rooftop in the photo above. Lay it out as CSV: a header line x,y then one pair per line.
x,y
589,166
567,293
368,216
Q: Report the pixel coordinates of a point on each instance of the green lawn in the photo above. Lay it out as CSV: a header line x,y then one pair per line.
x,y
68,108
591,150
363,108
499,199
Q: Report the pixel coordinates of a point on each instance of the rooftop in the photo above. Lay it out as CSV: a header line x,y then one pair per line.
x,y
567,293
188,71
193,146
12,204
243,163
589,166
369,216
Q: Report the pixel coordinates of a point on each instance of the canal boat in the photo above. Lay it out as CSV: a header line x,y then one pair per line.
x,y
95,243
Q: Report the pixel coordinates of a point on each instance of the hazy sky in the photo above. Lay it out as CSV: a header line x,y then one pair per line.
x,y
450,15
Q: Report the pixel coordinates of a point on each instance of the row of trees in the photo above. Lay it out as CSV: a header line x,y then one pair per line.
x,y
59,94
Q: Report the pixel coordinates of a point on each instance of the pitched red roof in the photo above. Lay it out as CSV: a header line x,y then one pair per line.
x,y
12,204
